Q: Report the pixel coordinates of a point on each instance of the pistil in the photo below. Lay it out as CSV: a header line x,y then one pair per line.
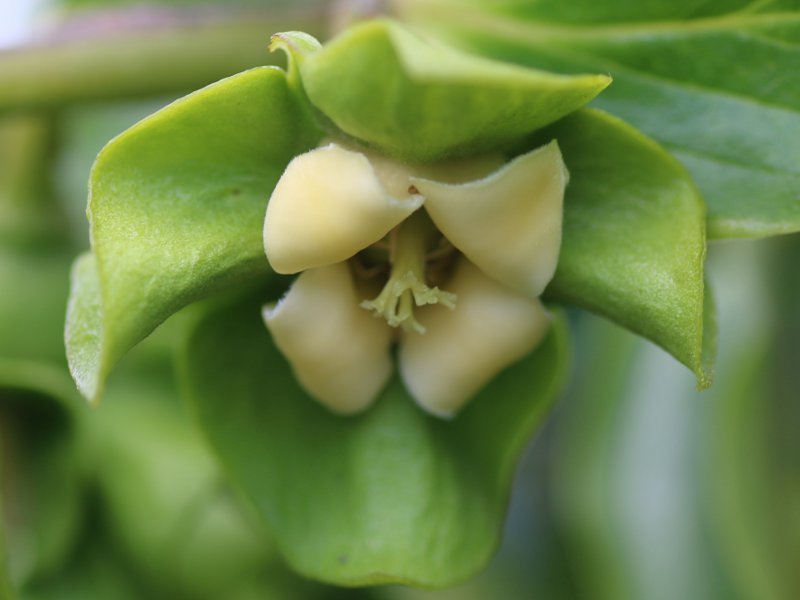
x,y
407,287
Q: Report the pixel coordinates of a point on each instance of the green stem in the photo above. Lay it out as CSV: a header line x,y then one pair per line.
x,y
140,54
29,211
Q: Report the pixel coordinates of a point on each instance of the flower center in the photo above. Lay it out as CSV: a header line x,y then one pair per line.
x,y
410,245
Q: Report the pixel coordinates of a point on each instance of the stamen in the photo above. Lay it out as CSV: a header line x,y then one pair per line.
x,y
406,286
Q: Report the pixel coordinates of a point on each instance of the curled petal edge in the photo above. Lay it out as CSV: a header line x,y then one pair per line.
x,y
337,350
328,205
463,349
508,223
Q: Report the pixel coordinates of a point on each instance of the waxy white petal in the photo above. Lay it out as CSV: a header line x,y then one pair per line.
x,y
509,223
328,205
491,328
338,351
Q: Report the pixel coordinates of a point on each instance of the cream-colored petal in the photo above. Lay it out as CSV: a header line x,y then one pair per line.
x,y
490,328
328,205
509,223
338,351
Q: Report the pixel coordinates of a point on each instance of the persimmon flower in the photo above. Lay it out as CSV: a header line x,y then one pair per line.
x,y
446,260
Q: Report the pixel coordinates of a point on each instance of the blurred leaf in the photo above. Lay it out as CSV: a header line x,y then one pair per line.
x,y
634,235
34,253
714,82
666,492
6,590
752,482
28,211
143,50
162,523
176,210
393,495
628,473
307,4
42,476
613,12
34,281
95,570
587,436
165,499
167,514
421,101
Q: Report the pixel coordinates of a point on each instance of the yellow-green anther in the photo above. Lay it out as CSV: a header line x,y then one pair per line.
x,y
407,287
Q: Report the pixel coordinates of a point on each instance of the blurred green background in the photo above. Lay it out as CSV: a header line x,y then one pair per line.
x,y
638,486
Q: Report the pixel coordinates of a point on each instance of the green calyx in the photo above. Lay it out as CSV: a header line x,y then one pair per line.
x,y
177,213
413,98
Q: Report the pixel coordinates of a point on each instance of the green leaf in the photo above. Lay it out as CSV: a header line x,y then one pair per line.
x,y
42,478
6,591
83,335
633,420
34,280
165,506
422,101
28,211
749,432
613,12
393,495
95,570
164,498
714,82
176,210
634,235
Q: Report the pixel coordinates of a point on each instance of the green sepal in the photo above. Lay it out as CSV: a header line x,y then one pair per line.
x,y
176,210
421,101
634,236
392,495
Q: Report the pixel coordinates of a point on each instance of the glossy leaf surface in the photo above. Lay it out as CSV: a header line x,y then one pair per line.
x,y
393,495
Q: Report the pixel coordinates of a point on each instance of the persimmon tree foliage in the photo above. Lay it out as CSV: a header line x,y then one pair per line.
x,y
177,213
374,252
